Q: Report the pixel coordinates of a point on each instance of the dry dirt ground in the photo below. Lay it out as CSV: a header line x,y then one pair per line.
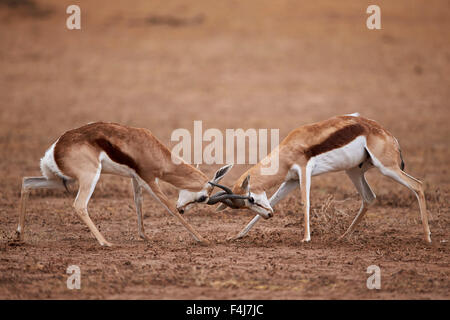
x,y
233,64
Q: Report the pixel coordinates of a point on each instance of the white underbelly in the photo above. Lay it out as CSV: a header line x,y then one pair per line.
x,y
111,167
344,158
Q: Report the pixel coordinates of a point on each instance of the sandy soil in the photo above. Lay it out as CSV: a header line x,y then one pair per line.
x,y
232,64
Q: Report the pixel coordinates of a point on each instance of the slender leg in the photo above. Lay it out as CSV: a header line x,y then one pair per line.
x,y
416,186
28,184
247,228
88,181
138,202
363,188
285,188
23,201
305,185
394,172
154,189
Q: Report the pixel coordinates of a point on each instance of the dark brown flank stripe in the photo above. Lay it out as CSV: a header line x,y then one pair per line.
x,y
336,140
111,150
116,154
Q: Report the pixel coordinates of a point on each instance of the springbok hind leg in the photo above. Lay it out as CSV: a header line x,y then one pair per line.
x,y
87,182
28,184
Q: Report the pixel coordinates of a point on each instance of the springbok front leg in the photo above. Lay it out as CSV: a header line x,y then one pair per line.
x,y
356,175
87,181
153,188
391,168
305,185
28,184
285,188
415,186
137,190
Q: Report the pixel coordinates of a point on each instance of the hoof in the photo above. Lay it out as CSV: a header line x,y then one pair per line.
x,y
238,237
15,243
18,236
144,237
204,242
106,244
342,237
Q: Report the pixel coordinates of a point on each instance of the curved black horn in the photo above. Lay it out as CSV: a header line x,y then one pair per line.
x,y
213,199
221,196
229,203
224,198
228,190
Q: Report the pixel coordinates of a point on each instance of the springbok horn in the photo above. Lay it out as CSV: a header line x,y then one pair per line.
x,y
229,203
221,196
226,202
213,198
228,190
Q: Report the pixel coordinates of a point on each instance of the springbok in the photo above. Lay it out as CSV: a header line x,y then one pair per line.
x,y
84,153
351,143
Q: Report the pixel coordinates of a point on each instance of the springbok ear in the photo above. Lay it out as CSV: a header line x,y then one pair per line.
x,y
221,207
222,172
246,184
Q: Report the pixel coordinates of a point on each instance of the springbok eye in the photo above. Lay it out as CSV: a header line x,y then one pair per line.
x,y
201,199
251,200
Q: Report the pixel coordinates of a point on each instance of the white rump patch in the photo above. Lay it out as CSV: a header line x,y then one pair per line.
x,y
356,114
49,168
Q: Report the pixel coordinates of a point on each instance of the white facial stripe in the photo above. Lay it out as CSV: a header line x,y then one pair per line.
x,y
187,198
261,205
261,199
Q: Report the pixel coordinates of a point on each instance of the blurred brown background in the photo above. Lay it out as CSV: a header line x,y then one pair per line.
x,y
233,64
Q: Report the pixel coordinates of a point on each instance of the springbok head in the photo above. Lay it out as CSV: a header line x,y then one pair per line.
x,y
242,198
186,198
